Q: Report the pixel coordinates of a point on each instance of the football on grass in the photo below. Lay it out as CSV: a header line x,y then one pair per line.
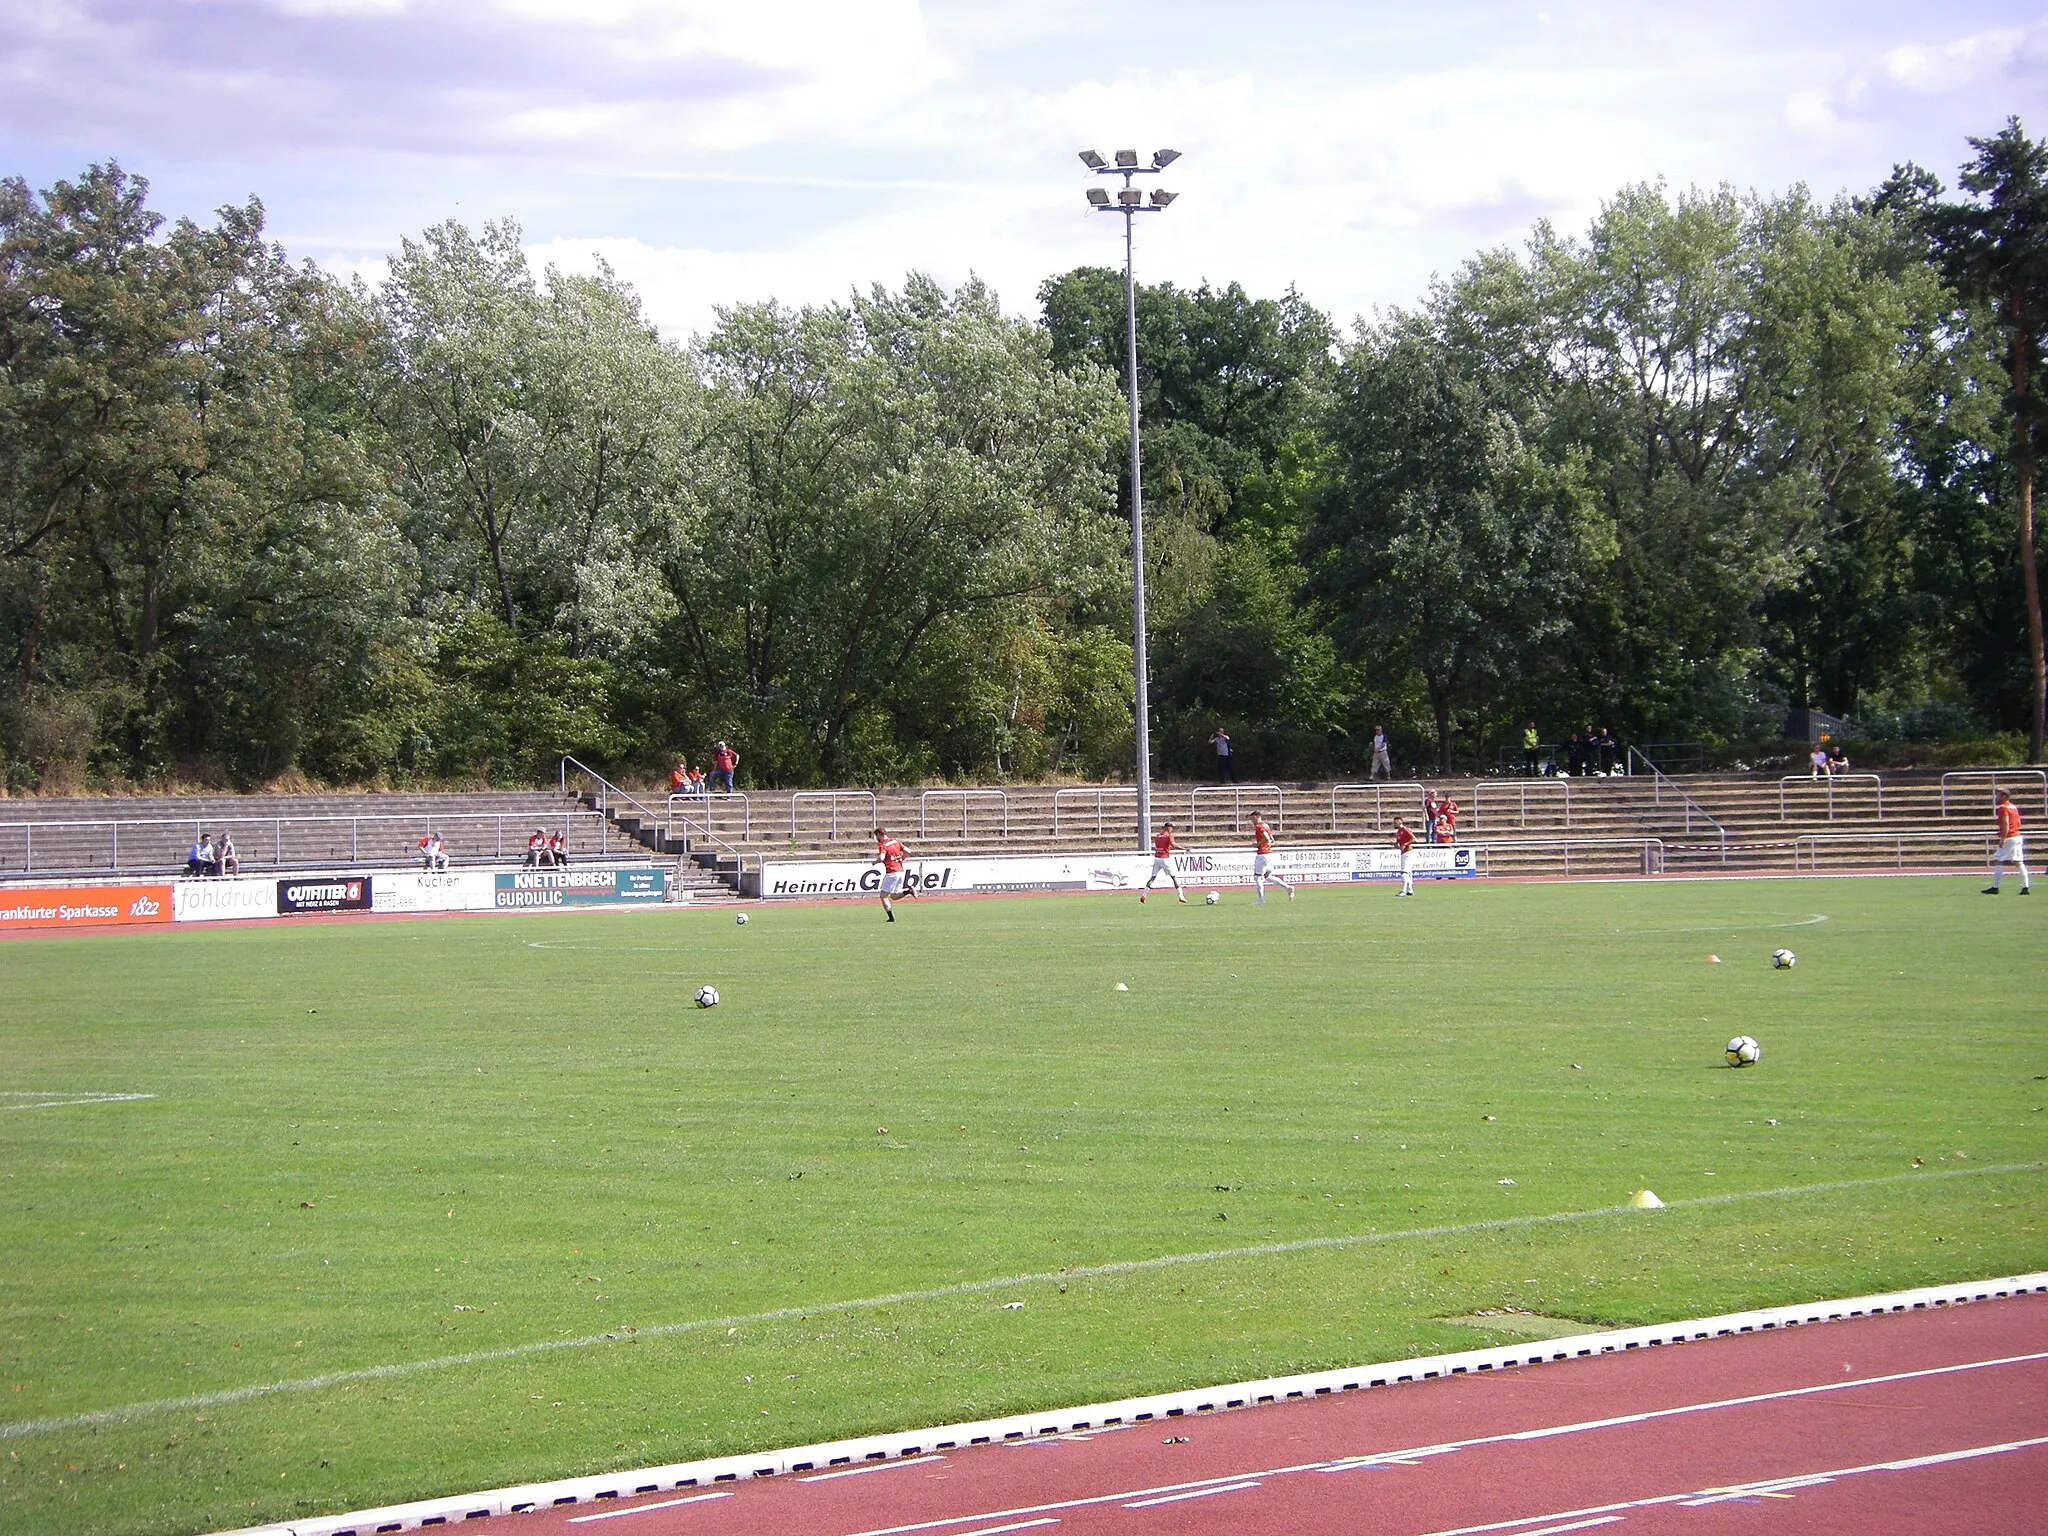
x,y
740,918
1783,959
707,997
1212,898
1743,1051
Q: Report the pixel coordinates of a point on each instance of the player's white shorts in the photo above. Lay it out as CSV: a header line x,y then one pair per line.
x,y
1261,864
1407,860
892,882
2012,851
1161,867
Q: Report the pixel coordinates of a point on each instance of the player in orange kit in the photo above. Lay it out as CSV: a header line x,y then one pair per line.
x,y
891,854
1404,844
1162,863
2012,848
1262,854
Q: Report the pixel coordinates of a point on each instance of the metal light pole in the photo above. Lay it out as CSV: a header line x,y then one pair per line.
x,y
1130,202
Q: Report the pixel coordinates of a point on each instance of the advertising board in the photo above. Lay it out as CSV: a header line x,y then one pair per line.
x,y
84,906
539,889
465,890
212,901
323,893
1107,871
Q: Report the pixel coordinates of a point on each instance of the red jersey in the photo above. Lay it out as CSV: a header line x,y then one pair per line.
x,y
2008,819
725,759
891,854
1162,843
1403,839
1262,837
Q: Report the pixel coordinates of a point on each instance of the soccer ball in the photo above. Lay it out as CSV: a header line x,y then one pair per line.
x,y
707,997
1783,959
1743,1051
1211,899
740,918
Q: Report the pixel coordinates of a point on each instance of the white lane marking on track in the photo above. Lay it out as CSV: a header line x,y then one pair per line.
x,y
60,1100
997,1530
129,1411
1576,1525
1199,1493
880,1466
1747,1490
1408,1456
641,1509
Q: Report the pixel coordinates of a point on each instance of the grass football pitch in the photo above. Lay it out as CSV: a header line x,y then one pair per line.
x,y
489,1201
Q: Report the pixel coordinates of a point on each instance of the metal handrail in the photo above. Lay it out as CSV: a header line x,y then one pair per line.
x,y
1652,849
606,790
1237,791
1098,791
1377,786
1521,788
966,798
1806,849
1801,778
1658,752
707,801
1658,782
2034,775
833,797
426,821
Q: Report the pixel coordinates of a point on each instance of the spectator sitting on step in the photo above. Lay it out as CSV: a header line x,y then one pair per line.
x,y
1838,760
537,849
696,785
1818,757
227,861
199,860
558,850
679,777
433,853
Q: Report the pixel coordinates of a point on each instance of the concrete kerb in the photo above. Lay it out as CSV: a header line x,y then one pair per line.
x,y
707,1474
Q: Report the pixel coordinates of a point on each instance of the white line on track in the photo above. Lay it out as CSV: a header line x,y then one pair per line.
x,y
880,1466
641,1509
1199,1493
128,1412
1763,1489
1407,1457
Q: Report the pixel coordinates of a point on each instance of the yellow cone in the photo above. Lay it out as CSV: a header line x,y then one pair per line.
x,y
1646,1200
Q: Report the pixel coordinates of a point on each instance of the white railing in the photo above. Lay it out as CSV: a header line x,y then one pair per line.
x,y
1832,779
1378,789
1097,791
607,791
1482,789
966,797
1806,851
1237,792
680,807
2022,775
832,797
1650,850
274,829
1662,788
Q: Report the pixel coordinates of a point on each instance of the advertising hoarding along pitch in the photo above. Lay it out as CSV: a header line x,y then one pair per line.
x,y
84,906
544,888
1108,871
312,893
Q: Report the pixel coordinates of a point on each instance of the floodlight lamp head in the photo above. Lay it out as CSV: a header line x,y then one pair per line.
x,y
1161,199
1162,158
1131,197
1092,160
1098,196
1127,159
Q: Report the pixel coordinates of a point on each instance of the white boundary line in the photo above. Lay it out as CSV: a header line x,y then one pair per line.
x,y
1166,1405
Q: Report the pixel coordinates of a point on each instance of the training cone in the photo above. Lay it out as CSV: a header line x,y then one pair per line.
x,y
1713,959
1646,1200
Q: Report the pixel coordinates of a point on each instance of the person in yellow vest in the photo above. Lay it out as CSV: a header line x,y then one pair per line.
x,y
1529,749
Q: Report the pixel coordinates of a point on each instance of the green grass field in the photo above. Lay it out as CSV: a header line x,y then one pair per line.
x,y
387,1144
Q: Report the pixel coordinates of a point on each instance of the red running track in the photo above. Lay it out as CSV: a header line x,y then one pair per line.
x,y
1902,1424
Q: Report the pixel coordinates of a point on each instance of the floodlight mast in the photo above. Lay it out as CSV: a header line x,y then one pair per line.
x,y
1128,202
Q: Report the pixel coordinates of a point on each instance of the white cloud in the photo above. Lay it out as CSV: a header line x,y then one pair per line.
x,y
1952,66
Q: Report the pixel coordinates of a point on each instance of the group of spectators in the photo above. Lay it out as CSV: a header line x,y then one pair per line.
x,y
685,780
207,857
547,850
1828,758
1439,817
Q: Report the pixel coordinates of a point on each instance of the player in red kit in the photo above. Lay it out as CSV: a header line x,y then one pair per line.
x,y
1404,843
1162,863
1262,856
890,854
2012,847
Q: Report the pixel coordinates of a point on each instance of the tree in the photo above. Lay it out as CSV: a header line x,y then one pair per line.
x,y
1995,248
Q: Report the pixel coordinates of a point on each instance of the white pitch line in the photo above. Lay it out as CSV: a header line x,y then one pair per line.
x,y
128,1412
641,1509
53,1102
1581,1426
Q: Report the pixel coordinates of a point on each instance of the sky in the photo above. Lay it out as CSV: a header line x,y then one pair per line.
x,y
719,153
